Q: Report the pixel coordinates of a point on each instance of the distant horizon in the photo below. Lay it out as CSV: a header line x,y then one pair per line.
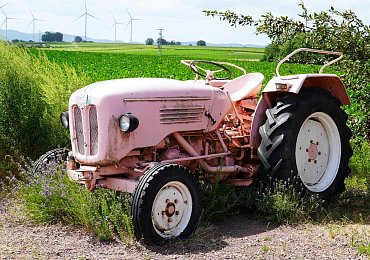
x,y
27,37
180,19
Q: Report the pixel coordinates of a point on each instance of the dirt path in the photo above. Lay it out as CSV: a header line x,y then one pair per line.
x,y
237,238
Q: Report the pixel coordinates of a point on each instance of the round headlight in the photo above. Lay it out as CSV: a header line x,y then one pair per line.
x,y
64,119
128,123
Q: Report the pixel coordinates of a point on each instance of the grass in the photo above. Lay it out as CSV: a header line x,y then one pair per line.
x,y
192,52
49,196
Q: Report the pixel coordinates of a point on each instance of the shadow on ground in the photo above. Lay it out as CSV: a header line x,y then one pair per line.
x,y
213,237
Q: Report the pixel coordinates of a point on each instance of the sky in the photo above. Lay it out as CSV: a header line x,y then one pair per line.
x,y
182,20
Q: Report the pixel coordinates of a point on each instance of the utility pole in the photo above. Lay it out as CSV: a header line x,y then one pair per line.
x,y
159,42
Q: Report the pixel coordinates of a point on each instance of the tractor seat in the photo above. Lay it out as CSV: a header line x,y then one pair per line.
x,y
247,85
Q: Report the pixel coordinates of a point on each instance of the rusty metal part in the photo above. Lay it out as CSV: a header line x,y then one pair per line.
x,y
206,166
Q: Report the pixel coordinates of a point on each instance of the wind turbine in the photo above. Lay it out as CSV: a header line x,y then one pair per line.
x,y
130,22
6,22
115,27
86,14
1,7
33,22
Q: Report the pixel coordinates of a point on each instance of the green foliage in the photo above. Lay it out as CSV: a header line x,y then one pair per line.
x,y
364,248
52,37
33,92
221,200
286,205
77,39
149,41
327,30
201,43
49,196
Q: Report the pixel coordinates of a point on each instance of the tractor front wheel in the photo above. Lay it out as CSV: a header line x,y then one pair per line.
x,y
166,204
306,140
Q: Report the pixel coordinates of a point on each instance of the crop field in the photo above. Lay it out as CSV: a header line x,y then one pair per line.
x,y
110,61
195,52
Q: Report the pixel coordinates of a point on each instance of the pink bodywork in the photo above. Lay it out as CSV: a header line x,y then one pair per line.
x,y
163,106
212,125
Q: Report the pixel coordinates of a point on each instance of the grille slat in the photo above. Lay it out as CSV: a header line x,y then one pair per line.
x,y
94,130
79,130
181,115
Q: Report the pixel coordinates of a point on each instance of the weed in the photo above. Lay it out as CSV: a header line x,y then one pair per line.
x,y
364,248
265,248
285,204
49,196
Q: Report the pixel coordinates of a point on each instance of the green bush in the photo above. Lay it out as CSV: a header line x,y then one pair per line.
x,y
327,30
33,92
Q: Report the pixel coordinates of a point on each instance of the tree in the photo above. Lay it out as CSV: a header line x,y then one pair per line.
x,y
77,39
328,30
52,37
162,41
201,43
149,41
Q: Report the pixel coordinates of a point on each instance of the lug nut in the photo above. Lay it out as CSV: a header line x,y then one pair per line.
x,y
163,212
307,150
309,160
176,201
319,153
167,200
315,161
317,143
177,212
169,219
311,141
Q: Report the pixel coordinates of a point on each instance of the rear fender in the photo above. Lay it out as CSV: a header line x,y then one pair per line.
x,y
293,84
277,86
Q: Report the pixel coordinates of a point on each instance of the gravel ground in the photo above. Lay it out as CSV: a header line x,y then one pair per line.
x,y
236,238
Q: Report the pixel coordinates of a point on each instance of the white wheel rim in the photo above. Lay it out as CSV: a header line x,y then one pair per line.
x,y
318,152
171,210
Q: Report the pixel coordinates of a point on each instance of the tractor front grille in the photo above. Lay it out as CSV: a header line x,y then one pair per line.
x,y
86,138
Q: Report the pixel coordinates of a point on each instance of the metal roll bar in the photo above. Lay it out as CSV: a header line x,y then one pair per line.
x,y
340,54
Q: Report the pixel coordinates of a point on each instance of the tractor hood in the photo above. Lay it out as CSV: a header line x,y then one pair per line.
x,y
162,106
140,88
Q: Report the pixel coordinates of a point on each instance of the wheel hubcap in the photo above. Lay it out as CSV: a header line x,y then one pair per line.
x,y
171,209
318,152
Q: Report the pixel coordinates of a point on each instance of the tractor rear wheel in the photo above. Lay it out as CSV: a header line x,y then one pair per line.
x,y
306,140
166,204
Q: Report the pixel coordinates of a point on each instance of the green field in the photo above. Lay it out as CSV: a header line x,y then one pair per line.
x,y
194,52
110,61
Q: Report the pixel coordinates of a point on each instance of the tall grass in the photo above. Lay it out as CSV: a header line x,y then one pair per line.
x,y
49,196
33,92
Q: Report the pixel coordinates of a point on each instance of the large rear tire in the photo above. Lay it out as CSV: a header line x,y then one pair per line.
x,y
306,140
166,204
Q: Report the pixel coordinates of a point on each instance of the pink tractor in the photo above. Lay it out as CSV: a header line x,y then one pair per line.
x,y
155,138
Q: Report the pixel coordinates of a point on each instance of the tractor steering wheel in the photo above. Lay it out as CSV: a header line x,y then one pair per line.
x,y
209,74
